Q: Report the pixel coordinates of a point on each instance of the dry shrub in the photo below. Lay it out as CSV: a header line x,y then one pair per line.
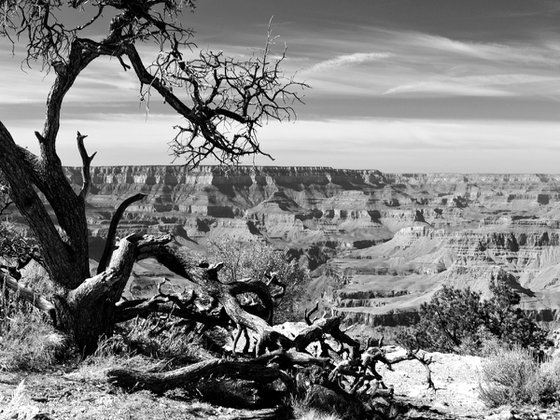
x,y
29,343
112,354
512,376
545,386
20,406
162,340
302,411
506,376
142,344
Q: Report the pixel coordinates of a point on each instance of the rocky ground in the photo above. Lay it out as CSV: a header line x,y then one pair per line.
x,y
60,395
457,382
82,393
455,377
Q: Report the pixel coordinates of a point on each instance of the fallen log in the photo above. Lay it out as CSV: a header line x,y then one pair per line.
x,y
160,382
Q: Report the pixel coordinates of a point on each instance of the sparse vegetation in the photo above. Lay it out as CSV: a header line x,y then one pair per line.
x,y
253,259
459,320
28,342
512,376
19,406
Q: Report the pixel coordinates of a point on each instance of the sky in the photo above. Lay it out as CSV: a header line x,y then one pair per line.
x,y
397,85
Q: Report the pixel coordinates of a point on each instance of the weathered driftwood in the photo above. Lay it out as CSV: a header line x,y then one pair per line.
x,y
189,375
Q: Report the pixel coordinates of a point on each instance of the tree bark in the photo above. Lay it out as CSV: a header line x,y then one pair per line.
x,y
89,311
188,375
19,170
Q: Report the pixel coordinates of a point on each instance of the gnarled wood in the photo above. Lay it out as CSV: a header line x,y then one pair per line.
x,y
89,311
162,381
258,288
259,370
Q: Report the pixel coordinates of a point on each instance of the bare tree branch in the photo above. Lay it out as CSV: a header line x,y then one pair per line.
x,y
86,165
228,99
110,282
111,234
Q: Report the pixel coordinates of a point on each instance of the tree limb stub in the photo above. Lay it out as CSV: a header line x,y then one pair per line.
x,y
111,282
86,165
109,243
307,315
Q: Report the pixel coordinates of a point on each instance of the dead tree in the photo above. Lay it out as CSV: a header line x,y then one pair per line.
x,y
354,379
209,92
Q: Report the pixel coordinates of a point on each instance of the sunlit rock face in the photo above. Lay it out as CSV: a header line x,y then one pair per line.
x,y
389,240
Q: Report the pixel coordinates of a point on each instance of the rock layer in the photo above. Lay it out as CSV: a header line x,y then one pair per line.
x,y
393,238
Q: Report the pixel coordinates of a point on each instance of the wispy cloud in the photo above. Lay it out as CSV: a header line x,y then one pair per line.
x,y
497,85
522,53
435,84
418,145
436,87
347,60
417,63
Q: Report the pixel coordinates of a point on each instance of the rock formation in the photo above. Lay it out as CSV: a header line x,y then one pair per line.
x,y
391,239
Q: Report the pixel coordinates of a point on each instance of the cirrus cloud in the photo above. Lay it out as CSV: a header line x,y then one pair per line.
x,y
347,60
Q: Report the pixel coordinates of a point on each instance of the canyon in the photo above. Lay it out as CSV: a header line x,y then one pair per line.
x,y
378,245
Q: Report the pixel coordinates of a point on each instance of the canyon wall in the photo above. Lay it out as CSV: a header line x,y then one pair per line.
x,y
390,239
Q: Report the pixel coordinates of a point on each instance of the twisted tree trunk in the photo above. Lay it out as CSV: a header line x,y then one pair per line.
x,y
236,94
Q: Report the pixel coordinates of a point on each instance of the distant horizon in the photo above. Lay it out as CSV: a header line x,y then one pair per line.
x,y
318,167
402,86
